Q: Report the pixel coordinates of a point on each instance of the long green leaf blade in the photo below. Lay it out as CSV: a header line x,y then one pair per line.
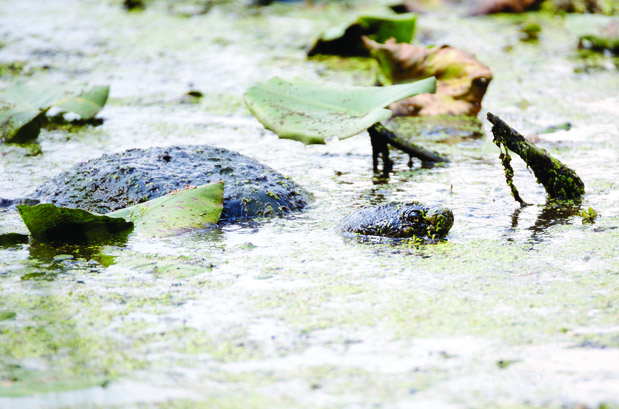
x,y
48,222
194,208
311,112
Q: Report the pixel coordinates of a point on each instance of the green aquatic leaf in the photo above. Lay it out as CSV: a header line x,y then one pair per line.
x,y
167,215
48,222
311,112
7,315
87,104
345,39
23,107
194,208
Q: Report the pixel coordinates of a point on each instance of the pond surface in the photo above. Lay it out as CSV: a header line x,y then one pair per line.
x,y
519,308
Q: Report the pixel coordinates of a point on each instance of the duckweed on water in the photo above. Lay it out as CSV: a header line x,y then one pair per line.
x,y
306,316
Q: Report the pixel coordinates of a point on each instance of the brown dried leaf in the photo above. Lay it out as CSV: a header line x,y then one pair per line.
x,y
461,79
483,7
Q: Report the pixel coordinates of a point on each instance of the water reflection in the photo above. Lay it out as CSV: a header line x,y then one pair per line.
x,y
13,239
554,212
48,260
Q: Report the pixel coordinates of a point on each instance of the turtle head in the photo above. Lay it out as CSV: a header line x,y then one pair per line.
x,y
439,220
425,221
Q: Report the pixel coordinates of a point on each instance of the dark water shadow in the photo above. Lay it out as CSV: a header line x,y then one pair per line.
x,y
47,260
13,240
553,213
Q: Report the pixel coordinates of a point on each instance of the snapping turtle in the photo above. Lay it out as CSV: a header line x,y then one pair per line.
x,y
399,221
116,181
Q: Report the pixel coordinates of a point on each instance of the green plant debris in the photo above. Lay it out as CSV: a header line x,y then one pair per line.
x,y
11,68
589,215
345,40
530,31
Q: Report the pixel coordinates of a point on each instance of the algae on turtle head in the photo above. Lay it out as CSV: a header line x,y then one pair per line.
x,y
399,221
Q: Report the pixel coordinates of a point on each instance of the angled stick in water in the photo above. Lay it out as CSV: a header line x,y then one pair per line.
x,y
382,136
559,181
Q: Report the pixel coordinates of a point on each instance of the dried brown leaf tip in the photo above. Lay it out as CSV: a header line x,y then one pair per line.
x,y
462,80
483,7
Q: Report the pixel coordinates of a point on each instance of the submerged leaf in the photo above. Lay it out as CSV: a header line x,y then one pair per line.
x,y
311,112
23,107
461,79
345,40
193,208
174,213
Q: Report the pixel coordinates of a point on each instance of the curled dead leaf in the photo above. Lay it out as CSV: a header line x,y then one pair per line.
x,y
462,80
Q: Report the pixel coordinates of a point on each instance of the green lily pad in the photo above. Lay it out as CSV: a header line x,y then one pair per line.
x,y
311,112
345,40
23,107
174,213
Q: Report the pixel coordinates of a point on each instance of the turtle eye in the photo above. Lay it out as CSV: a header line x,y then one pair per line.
x,y
413,216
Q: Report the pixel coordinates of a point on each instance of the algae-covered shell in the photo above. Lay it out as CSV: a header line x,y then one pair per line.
x,y
123,179
399,220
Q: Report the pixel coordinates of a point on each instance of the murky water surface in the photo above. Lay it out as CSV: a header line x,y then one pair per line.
x,y
518,309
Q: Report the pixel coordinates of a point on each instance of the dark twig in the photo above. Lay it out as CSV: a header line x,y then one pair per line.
x,y
381,137
558,180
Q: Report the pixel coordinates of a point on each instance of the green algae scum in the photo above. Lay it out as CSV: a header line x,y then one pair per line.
x,y
515,308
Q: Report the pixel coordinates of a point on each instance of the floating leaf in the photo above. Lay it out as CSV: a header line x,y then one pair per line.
x,y
47,222
311,112
595,32
23,107
194,208
87,104
174,213
7,315
345,40
461,79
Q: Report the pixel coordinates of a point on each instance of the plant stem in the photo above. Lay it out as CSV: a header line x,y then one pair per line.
x,y
382,137
558,180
